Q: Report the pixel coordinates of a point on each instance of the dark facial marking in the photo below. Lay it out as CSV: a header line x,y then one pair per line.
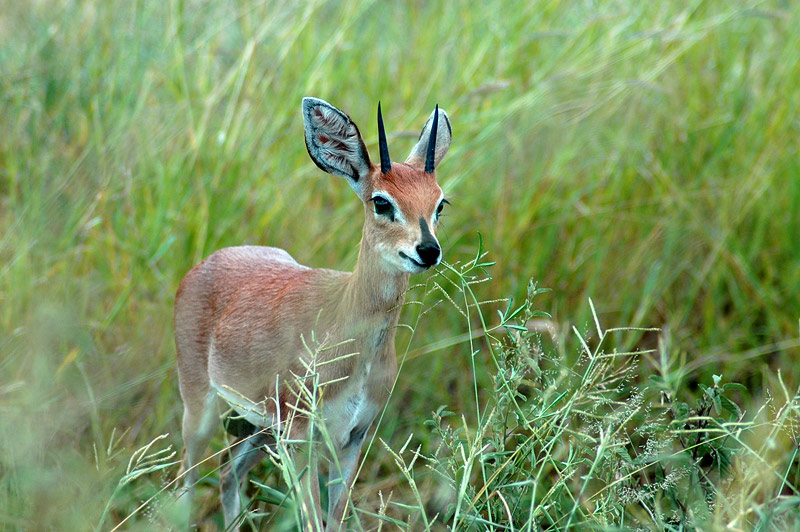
x,y
428,249
427,236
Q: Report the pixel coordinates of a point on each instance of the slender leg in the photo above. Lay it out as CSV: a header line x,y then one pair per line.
x,y
341,479
309,486
198,427
247,452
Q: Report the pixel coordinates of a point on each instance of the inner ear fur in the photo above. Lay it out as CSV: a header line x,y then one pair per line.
x,y
334,142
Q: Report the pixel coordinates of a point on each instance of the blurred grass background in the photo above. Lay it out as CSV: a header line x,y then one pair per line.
x,y
641,154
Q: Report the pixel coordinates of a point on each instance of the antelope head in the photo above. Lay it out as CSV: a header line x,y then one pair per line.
x,y
402,201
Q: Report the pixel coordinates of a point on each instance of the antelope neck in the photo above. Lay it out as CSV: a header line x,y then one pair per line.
x,y
371,289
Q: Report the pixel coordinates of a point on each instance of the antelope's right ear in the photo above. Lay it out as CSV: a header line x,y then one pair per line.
x,y
419,156
334,142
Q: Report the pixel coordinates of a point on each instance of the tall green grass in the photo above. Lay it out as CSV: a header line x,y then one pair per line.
x,y
641,154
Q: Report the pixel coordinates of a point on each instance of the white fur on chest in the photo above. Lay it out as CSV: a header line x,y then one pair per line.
x,y
349,414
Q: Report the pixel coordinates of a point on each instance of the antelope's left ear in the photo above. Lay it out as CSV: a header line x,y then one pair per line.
x,y
444,134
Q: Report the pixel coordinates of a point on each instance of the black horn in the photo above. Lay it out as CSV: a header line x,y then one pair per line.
x,y
386,162
430,159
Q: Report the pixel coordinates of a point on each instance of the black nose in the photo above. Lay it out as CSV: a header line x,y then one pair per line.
x,y
429,252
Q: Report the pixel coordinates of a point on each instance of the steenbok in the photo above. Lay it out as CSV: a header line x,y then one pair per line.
x,y
245,316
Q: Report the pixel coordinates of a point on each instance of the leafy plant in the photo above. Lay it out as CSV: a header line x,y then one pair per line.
x,y
562,442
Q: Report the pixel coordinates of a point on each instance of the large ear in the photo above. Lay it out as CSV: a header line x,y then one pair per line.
x,y
334,142
444,134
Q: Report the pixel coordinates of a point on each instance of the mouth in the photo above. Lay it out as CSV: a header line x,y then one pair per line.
x,y
414,261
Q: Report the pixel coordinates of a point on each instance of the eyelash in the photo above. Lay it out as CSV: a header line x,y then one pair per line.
x,y
440,207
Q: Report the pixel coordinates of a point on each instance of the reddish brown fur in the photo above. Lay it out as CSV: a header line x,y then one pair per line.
x,y
414,191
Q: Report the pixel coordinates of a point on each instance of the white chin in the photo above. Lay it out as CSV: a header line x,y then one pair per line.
x,y
404,266
413,268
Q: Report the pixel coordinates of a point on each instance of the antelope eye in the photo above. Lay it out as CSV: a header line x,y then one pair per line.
x,y
383,207
441,206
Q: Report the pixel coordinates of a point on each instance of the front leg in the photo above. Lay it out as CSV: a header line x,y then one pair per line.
x,y
341,478
247,452
307,460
